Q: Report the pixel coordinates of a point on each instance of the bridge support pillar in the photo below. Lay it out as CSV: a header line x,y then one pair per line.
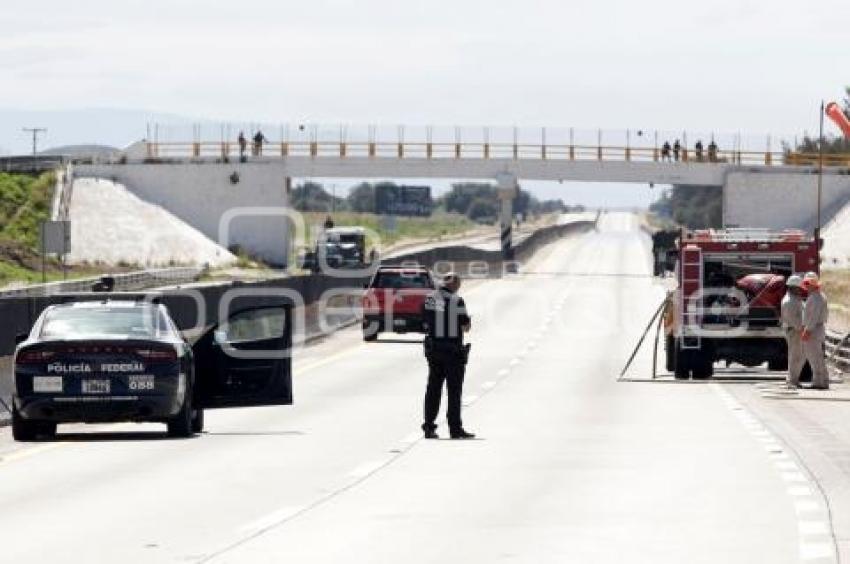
x,y
507,185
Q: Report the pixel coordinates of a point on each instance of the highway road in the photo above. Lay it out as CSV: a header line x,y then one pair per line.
x,y
570,465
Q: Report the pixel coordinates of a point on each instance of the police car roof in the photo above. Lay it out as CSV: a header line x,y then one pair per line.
x,y
397,267
98,304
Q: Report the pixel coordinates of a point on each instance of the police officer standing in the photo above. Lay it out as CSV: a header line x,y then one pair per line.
x,y
792,323
446,321
815,315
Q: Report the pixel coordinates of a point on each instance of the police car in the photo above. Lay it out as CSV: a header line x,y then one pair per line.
x,y
111,361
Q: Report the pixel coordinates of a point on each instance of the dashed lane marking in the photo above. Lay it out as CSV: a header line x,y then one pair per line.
x,y
816,538
367,468
816,550
811,528
270,519
800,491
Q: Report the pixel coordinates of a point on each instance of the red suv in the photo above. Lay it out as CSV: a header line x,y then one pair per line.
x,y
393,300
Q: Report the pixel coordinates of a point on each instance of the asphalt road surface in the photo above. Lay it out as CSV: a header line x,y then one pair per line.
x,y
570,465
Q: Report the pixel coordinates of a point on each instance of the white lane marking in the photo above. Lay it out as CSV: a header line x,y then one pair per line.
x,y
815,550
786,465
270,519
800,491
798,484
812,528
488,384
793,477
469,399
503,372
514,361
411,438
367,468
806,506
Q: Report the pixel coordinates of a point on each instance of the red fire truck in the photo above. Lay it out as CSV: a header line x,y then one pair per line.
x,y
726,306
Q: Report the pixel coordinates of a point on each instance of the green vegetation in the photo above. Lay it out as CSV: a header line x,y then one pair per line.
x,y
478,201
697,207
24,204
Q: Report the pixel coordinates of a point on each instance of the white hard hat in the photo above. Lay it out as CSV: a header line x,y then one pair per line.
x,y
794,281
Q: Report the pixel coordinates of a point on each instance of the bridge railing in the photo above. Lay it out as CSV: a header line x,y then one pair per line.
x,y
425,150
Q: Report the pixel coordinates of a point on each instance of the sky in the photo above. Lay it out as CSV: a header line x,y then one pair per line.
x,y
725,66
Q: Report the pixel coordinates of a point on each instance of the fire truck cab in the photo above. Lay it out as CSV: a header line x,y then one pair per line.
x,y
726,305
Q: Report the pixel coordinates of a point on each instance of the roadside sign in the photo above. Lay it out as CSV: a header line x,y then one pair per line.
x,y
56,237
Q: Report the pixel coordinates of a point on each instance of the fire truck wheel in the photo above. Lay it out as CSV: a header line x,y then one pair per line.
x,y
670,354
682,370
703,367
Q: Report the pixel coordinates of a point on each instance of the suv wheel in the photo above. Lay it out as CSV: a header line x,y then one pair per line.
x,y
181,424
198,421
23,429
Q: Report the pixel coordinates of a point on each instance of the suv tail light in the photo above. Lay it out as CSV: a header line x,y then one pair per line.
x,y
157,355
34,357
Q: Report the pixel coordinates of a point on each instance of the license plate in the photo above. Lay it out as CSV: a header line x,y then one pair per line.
x,y
95,386
50,384
141,383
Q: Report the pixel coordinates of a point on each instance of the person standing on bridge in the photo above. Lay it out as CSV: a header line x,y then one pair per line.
x,y
813,335
677,147
712,151
792,324
259,139
446,320
665,151
698,150
243,144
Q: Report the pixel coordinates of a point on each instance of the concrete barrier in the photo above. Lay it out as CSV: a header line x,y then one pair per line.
x,y
20,313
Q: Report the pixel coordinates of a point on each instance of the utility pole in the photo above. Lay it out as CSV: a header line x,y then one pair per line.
x,y
35,131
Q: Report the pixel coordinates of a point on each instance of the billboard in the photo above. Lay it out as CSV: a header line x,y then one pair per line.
x,y
394,199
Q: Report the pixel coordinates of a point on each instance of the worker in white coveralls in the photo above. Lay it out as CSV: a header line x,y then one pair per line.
x,y
815,314
792,324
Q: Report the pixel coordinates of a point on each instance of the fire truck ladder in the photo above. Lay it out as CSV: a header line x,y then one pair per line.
x,y
692,273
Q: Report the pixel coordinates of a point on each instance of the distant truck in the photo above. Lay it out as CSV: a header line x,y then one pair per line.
x,y
726,305
393,300
336,247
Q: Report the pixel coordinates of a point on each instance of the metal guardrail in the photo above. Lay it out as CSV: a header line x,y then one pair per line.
x,y
227,150
838,350
31,163
127,281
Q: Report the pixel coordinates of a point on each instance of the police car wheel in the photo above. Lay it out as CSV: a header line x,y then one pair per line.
x,y
198,421
23,429
181,424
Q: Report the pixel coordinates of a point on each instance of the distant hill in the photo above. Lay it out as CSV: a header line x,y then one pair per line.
x,y
93,127
82,151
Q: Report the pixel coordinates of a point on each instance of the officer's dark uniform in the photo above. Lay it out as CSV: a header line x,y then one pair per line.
x,y
445,316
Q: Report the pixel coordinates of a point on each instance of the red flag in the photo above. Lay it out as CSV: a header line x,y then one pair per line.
x,y
836,114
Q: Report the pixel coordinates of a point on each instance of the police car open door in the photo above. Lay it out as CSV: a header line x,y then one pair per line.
x,y
246,360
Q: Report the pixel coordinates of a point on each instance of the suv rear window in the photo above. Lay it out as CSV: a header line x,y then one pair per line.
x,y
138,322
401,279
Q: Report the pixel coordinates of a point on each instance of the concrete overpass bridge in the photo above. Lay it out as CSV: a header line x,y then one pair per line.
x,y
200,180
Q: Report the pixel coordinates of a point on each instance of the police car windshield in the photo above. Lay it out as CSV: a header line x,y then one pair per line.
x,y
133,322
402,280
